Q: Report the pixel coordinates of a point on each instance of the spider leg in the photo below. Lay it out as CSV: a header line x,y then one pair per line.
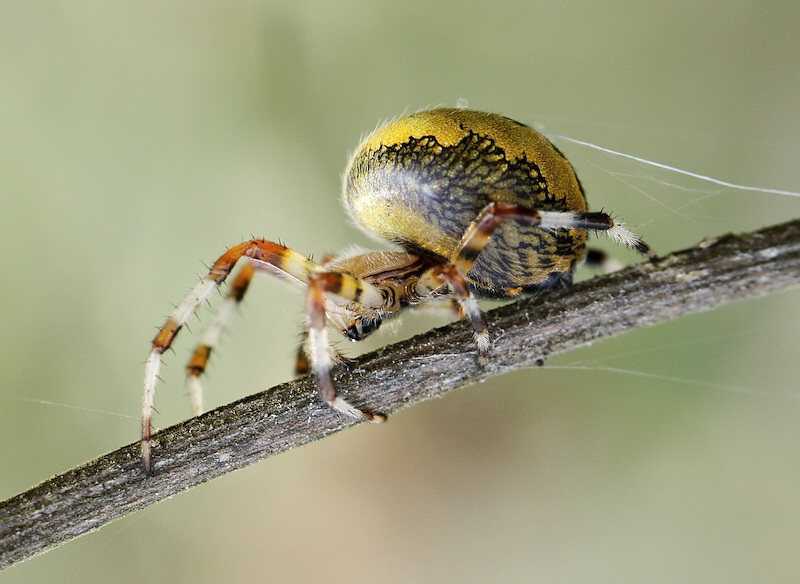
x,y
319,350
599,260
211,335
480,231
278,258
449,274
302,365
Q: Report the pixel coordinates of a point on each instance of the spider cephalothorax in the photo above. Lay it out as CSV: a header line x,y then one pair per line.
x,y
481,206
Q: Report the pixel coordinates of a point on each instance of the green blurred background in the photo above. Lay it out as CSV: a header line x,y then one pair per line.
x,y
139,140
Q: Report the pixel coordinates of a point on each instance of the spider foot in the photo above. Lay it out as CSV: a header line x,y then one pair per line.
x,y
343,406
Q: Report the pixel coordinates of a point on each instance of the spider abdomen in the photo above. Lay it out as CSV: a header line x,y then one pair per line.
x,y
419,181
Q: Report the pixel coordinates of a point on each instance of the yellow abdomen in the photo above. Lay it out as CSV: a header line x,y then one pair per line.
x,y
420,180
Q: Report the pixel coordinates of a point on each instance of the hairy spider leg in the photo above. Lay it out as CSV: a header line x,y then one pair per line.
x,y
198,363
211,335
318,349
448,273
480,232
279,258
302,365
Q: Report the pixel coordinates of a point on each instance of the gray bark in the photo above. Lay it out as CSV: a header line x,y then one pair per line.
x,y
85,498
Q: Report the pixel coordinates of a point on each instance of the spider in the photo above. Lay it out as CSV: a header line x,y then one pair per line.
x,y
480,206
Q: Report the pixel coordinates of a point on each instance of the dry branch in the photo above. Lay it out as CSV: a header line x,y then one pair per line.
x,y
85,498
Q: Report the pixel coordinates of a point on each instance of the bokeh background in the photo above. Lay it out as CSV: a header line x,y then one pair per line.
x,y
139,140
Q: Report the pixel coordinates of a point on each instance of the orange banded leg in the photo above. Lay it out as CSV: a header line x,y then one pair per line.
x,y
480,231
280,259
450,275
302,366
211,335
318,348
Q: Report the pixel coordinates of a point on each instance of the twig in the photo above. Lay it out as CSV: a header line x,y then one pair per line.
x,y
85,498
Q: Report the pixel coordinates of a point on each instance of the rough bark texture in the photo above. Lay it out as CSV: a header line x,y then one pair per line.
x,y
85,498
